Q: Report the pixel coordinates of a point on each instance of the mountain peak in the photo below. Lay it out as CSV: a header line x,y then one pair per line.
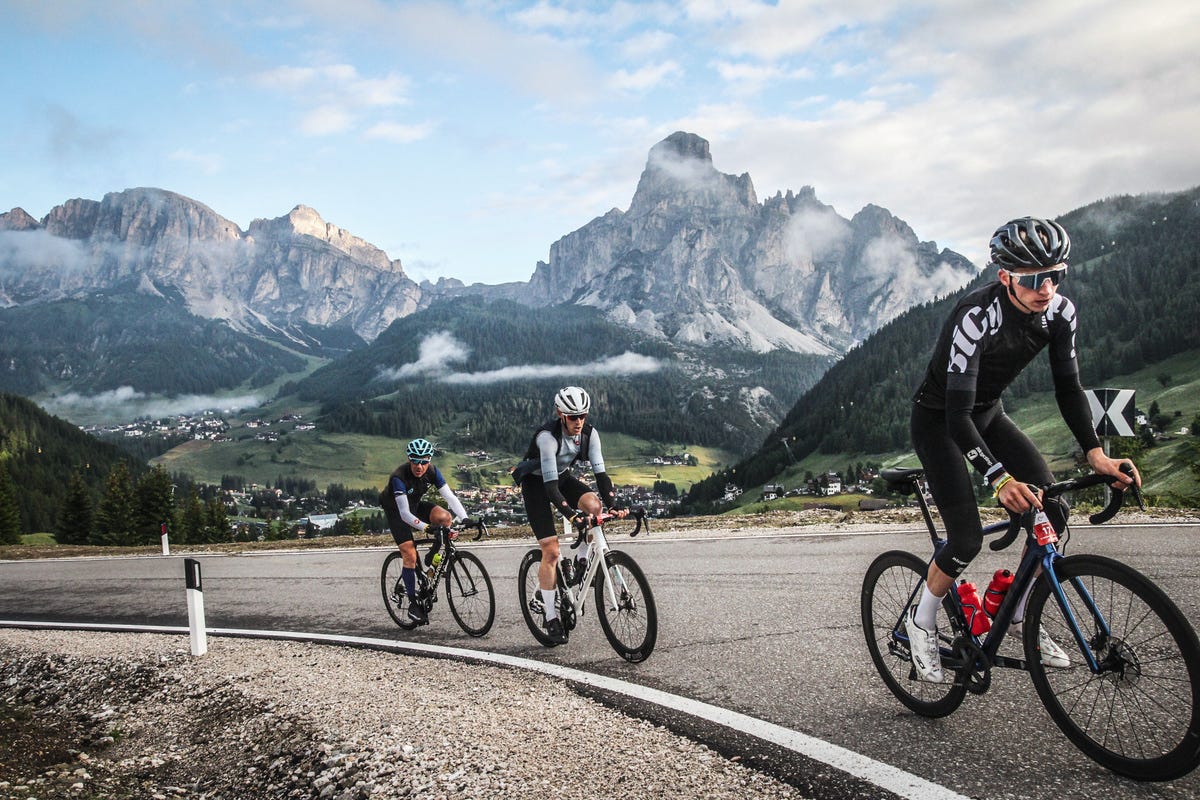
x,y
18,220
681,145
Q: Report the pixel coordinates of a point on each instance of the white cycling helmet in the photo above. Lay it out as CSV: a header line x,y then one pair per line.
x,y
572,400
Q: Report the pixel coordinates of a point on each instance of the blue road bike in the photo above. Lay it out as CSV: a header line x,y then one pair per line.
x,y
1130,698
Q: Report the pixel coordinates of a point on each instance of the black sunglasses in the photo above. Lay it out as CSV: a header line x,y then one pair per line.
x,y
575,417
419,461
1034,280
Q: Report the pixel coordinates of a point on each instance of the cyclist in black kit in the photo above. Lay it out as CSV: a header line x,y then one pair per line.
x,y
406,512
993,333
547,486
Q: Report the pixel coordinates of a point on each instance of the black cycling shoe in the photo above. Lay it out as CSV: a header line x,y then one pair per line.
x,y
555,632
417,615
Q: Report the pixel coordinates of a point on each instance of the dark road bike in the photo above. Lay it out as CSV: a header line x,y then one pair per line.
x,y
1130,698
623,599
468,587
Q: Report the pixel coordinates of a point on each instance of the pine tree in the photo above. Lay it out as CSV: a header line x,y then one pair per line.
x,y
190,527
216,522
114,519
154,505
76,515
10,514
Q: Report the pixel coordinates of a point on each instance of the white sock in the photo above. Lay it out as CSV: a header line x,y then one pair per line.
x,y
927,609
548,602
582,553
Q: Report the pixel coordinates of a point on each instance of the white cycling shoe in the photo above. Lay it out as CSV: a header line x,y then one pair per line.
x,y
923,646
1052,654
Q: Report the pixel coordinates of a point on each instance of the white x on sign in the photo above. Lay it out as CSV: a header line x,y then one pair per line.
x,y
1112,411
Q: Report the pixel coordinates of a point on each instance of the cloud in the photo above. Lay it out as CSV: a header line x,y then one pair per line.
x,y
646,78
400,133
813,235
628,363
436,352
126,403
26,252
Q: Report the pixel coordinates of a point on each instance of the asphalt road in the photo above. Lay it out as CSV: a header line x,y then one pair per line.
x,y
768,626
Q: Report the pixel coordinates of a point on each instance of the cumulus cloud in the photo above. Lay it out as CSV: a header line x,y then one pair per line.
x,y
645,78
400,133
126,403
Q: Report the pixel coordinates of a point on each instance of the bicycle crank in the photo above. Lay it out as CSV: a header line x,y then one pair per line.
x,y
974,667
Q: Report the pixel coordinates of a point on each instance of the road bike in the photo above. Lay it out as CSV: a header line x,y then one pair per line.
x,y
623,599
468,587
1130,698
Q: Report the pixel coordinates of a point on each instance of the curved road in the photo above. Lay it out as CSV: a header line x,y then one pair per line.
x,y
767,626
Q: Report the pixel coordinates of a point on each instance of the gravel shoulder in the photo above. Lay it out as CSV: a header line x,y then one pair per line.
x,y
89,715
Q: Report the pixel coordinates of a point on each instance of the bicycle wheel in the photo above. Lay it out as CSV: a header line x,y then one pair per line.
x,y
529,598
893,582
1139,715
394,596
469,594
632,625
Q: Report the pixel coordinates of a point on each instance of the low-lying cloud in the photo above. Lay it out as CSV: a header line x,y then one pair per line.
x,y
126,403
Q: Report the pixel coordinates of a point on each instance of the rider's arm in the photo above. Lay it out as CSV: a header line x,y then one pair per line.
x,y
406,514
452,502
548,454
604,484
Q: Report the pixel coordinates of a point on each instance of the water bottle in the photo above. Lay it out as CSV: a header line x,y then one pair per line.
x,y
973,609
1043,531
993,596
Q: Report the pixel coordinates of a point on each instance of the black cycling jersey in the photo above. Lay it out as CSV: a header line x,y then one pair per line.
x,y
412,487
984,345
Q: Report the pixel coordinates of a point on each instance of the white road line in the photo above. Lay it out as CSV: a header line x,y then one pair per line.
x,y
887,777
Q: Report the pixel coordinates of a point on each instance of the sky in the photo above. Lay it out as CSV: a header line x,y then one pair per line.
x,y
466,138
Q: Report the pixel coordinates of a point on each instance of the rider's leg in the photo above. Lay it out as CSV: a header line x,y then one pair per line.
x,y
543,521
403,536
589,503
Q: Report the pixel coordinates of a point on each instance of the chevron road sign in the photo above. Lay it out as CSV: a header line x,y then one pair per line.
x,y
1112,411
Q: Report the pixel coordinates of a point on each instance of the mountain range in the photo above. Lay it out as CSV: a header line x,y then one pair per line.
x,y
153,290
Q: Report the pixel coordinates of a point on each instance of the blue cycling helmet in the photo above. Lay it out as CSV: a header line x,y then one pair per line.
x,y
420,448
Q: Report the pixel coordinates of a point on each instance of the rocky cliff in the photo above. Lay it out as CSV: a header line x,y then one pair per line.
x,y
697,259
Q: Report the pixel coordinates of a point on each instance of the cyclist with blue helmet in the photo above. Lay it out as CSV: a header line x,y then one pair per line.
x,y
407,511
547,485
958,417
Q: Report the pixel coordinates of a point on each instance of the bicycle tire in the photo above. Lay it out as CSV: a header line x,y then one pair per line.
x,y
469,594
1140,717
527,587
892,581
631,627
394,596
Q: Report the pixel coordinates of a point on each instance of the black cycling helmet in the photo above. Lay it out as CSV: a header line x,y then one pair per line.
x,y
1030,243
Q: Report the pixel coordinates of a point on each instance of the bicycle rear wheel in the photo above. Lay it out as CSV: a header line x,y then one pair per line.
x,y
892,584
632,625
394,596
529,597
469,594
1140,716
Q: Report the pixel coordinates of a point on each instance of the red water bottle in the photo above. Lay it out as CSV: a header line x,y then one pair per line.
x,y
993,596
973,609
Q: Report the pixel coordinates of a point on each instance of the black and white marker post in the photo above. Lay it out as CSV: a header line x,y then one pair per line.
x,y
165,544
1112,415
195,604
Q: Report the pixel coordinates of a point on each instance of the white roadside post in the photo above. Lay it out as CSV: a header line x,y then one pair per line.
x,y
1112,415
165,544
195,604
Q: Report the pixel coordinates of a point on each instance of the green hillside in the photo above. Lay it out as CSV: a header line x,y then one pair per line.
x,y
41,452
1135,278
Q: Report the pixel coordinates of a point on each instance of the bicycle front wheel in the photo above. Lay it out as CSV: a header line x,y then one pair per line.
x,y
469,594
530,598
892,584
394,596
1139,715
632,624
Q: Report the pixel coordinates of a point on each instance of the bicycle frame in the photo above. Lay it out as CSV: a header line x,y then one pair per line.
x,y
597,552
1036,557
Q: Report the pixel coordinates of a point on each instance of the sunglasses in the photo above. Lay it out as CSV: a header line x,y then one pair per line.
x,y
419,461
1034,280
575,417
